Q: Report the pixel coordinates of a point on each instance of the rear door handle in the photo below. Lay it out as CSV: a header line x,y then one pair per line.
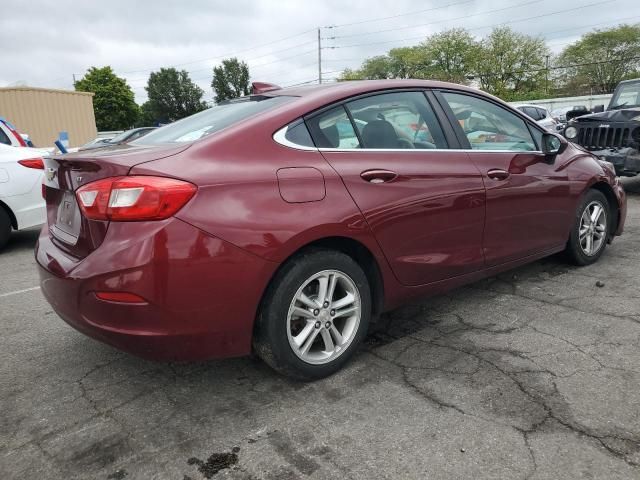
x,y
498,174
378,175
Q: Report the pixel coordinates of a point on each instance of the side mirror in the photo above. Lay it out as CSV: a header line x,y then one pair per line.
x,y
553,145
598,109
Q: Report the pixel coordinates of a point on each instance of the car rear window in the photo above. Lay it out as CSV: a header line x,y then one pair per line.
x,y
211,120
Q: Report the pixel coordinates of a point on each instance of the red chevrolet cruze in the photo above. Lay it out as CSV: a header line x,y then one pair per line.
x,y
286,220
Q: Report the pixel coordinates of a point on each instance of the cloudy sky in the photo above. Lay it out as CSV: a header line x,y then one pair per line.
x,y
44,42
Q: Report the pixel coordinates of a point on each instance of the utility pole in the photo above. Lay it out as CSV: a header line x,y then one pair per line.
x,y
546,76
319,57
74,79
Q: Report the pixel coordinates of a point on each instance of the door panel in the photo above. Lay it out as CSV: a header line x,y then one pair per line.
x,y
428,218
526,210
527,197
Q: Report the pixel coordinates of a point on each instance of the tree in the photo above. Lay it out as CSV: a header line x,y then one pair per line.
x,y
230,80
172,96
450,56
602,58
114,104
511,64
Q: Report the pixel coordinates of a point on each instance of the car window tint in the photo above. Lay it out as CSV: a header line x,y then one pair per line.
x,y
531,112
542,113
396,121
333,129
299,135
4,138
488,126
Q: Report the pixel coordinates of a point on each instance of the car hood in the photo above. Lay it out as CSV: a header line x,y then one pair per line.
x,y
622,115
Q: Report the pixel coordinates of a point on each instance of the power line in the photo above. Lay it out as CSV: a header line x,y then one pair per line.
x,y
399,15
436,21
478,28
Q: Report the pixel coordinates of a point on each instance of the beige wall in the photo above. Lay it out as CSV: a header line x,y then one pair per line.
x,y
43,114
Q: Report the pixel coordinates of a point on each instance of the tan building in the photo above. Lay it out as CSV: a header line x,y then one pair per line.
x,y
43,113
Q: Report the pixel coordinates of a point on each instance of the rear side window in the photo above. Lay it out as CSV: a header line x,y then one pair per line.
x,y
399,120
212,120
333,129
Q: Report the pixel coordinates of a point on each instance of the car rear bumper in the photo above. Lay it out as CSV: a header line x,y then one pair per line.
x,y
200,292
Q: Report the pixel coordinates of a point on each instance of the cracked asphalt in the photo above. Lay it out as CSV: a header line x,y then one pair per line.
x,y
534,374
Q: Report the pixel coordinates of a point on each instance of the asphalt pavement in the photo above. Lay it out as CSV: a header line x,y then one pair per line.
x,y
534,374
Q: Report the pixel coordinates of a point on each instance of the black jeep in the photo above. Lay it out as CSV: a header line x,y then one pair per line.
x,y
614,134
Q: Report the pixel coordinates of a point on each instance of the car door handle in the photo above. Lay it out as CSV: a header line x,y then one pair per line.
x,y
498,174
378,176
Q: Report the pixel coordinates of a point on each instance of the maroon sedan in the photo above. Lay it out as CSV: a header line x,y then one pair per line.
x,y
286,220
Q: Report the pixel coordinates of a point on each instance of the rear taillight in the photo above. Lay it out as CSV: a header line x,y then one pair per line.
x,y
129,199
32,163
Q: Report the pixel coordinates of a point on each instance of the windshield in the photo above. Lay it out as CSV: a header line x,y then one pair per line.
x,y
120,137
211,120
628,95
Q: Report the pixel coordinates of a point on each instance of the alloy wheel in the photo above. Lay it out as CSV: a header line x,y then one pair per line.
x,y
593,228
323,317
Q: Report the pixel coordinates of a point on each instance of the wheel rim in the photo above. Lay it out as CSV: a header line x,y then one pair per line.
x,y
323,317
593,228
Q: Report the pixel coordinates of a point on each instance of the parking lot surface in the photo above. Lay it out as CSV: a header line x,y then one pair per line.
x,y
533,374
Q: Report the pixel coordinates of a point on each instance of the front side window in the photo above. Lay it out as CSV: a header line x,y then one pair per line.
x,y
401,120
488,126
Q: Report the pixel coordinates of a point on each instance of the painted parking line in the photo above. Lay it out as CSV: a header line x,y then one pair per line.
x,y
16,292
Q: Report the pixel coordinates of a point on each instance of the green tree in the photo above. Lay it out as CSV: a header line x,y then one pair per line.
x,y
510,64
114,104
230,80
602,58
450,56
172,96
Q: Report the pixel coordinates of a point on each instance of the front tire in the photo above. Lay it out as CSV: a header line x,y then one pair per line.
x,y
314,315
591,228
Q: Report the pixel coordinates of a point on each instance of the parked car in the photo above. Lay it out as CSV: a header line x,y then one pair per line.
x,y
96,142
614,134
259,223
124,137
9,135
21,202
540,115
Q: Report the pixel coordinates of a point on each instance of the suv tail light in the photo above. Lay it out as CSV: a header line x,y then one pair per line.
x,y
129,199
32,163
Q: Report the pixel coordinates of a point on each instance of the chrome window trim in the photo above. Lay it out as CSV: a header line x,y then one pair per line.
x,y
280,137
423,150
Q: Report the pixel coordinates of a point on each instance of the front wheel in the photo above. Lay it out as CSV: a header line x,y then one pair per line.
x,y
315,314
591,229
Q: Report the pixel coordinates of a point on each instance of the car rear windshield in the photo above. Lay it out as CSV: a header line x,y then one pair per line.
x,y
211,120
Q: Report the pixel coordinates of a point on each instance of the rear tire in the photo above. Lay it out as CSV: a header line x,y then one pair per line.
x,y
5,227
590,232
304,333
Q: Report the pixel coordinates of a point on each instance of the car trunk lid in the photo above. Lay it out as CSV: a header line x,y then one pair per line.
x,y
68,228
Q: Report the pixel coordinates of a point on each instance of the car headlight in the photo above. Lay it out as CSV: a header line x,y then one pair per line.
x,y
607,166
571,132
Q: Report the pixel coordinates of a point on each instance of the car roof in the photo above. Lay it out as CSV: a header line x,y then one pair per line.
x,y
354,87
